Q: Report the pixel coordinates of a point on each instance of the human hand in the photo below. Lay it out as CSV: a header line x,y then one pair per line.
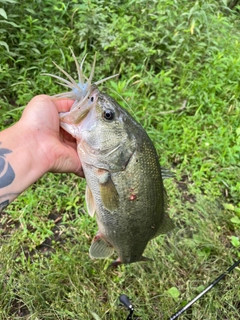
x,y
58,149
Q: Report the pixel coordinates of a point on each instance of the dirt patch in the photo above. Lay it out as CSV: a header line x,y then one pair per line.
x,y
7,224
182,184
18,308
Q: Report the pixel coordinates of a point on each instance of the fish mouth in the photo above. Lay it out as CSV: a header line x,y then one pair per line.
x,y
79,111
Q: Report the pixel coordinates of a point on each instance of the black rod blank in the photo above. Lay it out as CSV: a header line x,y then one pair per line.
x,y
223,275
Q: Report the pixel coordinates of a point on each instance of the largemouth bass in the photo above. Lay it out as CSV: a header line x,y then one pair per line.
x,y
124,179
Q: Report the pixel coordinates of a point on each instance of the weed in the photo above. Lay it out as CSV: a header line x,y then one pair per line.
x,y
168,54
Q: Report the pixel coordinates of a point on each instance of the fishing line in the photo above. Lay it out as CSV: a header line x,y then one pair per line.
x,y
126,302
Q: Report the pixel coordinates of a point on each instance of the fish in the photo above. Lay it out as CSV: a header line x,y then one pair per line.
x,y
124,180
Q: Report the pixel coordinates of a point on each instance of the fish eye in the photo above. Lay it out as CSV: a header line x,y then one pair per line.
x,y
108,115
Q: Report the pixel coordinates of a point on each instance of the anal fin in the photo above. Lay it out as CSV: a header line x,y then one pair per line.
x,y
100,248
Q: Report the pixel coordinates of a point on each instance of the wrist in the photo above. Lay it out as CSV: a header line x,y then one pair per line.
x,y
21,163
25,156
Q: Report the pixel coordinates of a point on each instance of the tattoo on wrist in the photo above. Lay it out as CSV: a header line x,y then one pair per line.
x,y
7,175
6,199
3,205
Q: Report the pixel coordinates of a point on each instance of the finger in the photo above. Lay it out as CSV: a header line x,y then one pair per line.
x,y
74,165
66,137
63,105
80,173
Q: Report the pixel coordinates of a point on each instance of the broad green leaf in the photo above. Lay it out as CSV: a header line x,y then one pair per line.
x,y
229,206
9,1
235,241
3,43
10,22
235,220
174,292
3,13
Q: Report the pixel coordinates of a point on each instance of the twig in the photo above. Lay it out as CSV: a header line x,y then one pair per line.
x,y
174,111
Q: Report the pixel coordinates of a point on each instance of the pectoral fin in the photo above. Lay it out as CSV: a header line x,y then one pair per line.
x,y
100,248
108,191
91,207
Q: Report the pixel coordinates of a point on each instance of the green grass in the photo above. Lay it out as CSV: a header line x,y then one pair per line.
x,y
166,53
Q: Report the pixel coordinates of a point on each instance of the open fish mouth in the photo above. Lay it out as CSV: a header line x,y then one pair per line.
x,y
82,89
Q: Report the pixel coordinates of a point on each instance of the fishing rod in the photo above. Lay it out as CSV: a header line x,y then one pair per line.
x,y
126,302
